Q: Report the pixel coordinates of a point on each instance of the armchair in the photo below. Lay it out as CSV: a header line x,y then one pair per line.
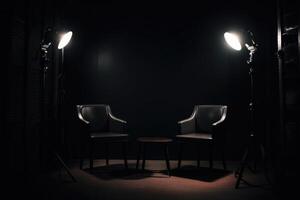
x,y
206,124
100,126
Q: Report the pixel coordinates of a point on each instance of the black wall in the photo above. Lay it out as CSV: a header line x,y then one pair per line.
x,y
153,63
24,145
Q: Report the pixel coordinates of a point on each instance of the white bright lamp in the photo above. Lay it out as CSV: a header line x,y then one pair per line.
x,y
233,40
65,39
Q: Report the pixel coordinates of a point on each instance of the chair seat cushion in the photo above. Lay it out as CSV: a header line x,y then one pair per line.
x,y
195,136
108,136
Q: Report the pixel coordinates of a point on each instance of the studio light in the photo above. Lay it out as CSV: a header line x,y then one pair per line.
x,y
233,40
51,38
55,37
238,40
64,39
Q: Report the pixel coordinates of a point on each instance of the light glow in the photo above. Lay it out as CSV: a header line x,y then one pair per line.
x,y
233,41
65,39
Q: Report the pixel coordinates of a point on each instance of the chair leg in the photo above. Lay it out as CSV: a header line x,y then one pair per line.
x,y
91,154
138,156
223,159
211,149
167,159
144,155
180,154
125,154
106,153
81,163
198,156
81,156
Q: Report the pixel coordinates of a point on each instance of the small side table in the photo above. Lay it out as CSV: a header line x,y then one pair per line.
x,y
153,140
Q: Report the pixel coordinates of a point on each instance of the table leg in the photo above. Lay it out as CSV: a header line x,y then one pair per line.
x,y
124,146
167,159
106,153
144,155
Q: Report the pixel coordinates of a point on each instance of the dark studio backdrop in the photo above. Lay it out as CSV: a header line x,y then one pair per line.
x,y
153,62
150,61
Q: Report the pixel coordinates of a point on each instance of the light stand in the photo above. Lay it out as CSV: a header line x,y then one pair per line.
x,y
253,142
46,43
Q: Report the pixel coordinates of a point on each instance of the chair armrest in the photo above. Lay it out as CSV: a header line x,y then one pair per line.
x,y
187,125
219,126
80,115
117,125
221,121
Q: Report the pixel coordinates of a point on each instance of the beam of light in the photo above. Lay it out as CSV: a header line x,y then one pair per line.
x,y
65,39
233,41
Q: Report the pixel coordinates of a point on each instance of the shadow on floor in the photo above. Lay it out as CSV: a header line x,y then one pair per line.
x,y
117,171
202,173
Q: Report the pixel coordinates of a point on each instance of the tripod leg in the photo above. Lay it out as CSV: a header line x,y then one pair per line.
x,y
264,159
81,163
255,152
65,166
240,171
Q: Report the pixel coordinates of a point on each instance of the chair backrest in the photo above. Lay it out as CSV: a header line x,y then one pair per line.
x,y
97,115
206,115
